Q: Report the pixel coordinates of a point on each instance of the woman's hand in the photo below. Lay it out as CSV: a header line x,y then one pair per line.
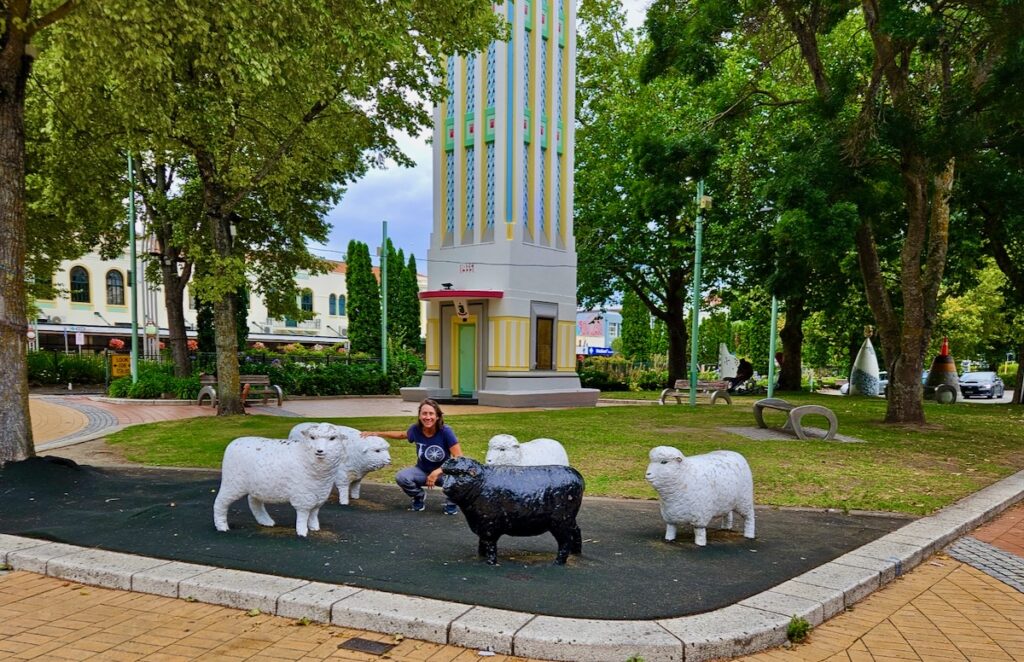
x,y
432,477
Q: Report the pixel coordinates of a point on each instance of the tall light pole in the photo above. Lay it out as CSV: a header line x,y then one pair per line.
x,y
134,270
771,346
702,204
384,301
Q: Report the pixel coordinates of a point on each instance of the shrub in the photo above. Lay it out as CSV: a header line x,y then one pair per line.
x,y
648,380
57,368
405,368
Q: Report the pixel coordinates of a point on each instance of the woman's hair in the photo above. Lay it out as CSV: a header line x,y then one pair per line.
x,y
437,409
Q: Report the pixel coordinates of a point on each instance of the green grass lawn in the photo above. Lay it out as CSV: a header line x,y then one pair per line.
x,y
910,470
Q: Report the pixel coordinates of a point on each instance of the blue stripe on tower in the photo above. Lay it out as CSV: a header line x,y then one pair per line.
x,y
510,117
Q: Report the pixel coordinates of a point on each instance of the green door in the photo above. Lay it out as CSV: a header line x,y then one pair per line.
x,y
467,359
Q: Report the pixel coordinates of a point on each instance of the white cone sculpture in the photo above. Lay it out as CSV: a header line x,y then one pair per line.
x,y
727,363
864,376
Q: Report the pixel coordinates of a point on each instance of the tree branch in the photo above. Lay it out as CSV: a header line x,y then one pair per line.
x,y
52,17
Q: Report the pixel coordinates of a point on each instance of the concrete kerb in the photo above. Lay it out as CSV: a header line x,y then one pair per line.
x,y
753,624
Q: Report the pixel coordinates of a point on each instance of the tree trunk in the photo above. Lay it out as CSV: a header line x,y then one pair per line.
x,y
792,336
229,390
15,424
678,338
174,302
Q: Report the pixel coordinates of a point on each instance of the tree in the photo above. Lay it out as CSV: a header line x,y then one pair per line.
x,y
636,328
396,314
904,88
363,300
635,179
410,304
279,105
21,25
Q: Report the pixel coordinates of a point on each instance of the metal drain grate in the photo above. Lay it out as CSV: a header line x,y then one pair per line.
x,y
366,646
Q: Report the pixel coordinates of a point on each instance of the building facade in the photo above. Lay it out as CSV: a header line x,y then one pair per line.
x,y
94,306
501,292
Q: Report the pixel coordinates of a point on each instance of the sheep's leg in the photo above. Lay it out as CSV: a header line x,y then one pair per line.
x,y
489,550
577,541
343,491
728,520
220,508
700,535
670,532
302,516
748,522
314,519
259,511
353,489
564,539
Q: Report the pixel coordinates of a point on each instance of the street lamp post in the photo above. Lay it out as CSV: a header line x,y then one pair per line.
x,y
134,270
702,204
771,346
384,300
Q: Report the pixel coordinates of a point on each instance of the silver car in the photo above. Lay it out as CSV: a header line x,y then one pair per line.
x,y
987,384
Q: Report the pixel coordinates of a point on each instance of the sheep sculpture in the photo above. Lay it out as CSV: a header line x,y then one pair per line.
x,y
696,489
506,449
362,455
516,501
298,471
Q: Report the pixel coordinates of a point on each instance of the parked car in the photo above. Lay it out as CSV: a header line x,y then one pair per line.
x,y
883,381
986,384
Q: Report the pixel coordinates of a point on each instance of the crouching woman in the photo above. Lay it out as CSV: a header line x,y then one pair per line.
x,y
435,443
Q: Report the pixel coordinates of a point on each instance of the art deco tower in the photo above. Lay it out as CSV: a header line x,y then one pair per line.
x,y
501,313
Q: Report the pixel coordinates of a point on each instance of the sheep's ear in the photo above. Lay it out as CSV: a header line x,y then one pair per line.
x,y
678,459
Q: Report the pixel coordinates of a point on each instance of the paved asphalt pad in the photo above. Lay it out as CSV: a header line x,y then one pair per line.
x,y
626,571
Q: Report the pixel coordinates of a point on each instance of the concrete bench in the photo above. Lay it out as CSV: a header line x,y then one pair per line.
x,y
715,390
254,387
794,416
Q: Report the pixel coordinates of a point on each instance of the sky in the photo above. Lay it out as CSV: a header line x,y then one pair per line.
x,y
401,196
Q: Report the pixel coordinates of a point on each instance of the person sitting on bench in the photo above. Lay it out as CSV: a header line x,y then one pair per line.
x,y
743,372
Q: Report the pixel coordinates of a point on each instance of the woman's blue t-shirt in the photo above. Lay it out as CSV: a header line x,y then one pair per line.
x,y
431,452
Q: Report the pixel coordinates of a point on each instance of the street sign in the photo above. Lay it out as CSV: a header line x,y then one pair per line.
x,y
120,365
79,338
599,351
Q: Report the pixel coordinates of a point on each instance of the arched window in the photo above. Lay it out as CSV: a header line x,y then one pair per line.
x,y
341,305
332,305
307,300
115,288
79,285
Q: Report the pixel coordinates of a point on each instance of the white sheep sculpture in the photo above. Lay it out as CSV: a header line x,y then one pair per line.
x,y
506,449
296,471
696,489
362,455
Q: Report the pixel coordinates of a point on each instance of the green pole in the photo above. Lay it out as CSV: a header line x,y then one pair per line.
x,y
771,346
384,301
695,301
134,270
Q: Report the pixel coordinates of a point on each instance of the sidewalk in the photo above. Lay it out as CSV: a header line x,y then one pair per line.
x,y
946,608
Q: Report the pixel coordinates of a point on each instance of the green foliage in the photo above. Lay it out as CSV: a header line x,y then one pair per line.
x,y
363,300
410,305
156,379
57,368
636,328
405,368
714,329
616,373
798,629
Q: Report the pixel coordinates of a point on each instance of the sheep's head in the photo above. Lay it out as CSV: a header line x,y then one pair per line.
x,y
323,442
462,478
504,449
374,453
664,466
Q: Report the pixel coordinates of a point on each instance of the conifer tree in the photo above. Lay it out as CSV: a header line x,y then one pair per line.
x,y
363,300
411,304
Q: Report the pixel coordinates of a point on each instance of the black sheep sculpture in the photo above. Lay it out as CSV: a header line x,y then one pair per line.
x,y
516,501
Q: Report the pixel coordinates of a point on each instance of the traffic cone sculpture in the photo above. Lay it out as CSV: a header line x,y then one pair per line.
x,y
864,378
943,371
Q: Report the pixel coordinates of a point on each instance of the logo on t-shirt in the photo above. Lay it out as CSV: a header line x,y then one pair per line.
x,y
433,454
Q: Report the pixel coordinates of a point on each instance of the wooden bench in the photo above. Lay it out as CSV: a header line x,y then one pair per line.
x,y
794,416
716,390
254,387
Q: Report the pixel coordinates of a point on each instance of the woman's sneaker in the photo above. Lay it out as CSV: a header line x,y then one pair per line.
x,y
418,504
451,509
